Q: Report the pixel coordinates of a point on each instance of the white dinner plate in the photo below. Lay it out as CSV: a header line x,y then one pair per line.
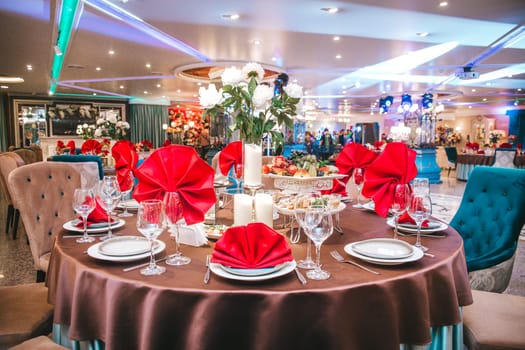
x,y
418,254
286,211
124,246
219,270
70,226
131,204
441,226
94,252
384,248
252,272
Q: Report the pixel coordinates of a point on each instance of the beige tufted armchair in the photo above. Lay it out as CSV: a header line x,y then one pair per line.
x,y
9,161
43,193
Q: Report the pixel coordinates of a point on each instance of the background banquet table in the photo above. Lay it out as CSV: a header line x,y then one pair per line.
x,y
354,309
467,162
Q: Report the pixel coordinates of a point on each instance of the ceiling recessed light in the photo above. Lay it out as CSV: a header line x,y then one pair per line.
x,y
111,52
338,56
4,87
337,38
178,91
519,89
484,99
488,83
473,90
469,107
330,9
274,59
10,80
163,96
121,86
199,84
443,4
158,85
232,16
29,67
256,42
148,65
98,68
422,34
294,81
145,92
94,94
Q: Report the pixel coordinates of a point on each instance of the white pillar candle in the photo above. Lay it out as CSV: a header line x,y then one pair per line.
x,y
242,209
264,208
252,164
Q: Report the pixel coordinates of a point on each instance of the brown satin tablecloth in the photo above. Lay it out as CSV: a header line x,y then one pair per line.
x,y
476,159
354,309
519,160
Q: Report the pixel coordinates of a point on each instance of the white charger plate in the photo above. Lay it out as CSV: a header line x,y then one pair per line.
x,y
384,248
124,246
70,226
252,272
94,252
441,227
219,270
418,254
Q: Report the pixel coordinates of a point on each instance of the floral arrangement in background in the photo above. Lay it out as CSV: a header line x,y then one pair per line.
x,y
512,139
86,131
254,108
453,138
144,146
494,137
111,125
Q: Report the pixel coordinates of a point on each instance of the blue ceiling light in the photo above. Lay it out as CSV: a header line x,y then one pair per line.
x,y
139,24
427,101
406,102
385,103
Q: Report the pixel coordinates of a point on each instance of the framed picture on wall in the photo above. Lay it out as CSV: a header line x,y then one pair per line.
x,y
64,118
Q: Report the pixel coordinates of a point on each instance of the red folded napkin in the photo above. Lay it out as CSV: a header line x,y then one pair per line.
x,y
125,160
72,147
91,147
230,156
396,165
405,218
480,151
254,246
98,215
177,168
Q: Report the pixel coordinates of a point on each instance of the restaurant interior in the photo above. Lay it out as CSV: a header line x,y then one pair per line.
x,y
190,175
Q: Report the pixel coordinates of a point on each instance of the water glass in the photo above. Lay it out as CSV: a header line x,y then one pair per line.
x,y
400,203
150,223
308,211
359,178
173,210
108,196
318,235
419,209
126,186
83,204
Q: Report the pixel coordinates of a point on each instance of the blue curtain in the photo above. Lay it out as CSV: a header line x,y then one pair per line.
x,y
146,123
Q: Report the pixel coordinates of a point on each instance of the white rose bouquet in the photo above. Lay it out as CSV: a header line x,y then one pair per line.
x,y
86,131
113,127
252,105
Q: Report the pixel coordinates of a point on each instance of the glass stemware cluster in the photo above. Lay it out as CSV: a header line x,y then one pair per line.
x,y
316,221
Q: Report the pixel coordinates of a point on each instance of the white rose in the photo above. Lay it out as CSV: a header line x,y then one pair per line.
x,y
261,96
231,76
101,121
84,126
112,119
253,67
125,125
294,90
98,133
209,97
79,131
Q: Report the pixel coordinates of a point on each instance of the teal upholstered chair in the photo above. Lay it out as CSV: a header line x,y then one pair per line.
x,y
490,218
80,158
452,158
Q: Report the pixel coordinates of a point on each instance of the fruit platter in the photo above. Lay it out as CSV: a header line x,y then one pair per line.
x,y
332,202
301,172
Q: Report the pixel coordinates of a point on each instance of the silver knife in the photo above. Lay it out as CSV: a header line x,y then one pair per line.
x,y
207,274
300,276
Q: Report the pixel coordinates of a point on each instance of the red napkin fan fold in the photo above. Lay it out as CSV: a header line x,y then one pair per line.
x,y
229,156
253,246
405,218
396,165
126,158
98,215
72,147
91,147
177,168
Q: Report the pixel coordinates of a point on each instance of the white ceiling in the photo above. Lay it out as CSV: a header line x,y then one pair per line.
x,y
295,36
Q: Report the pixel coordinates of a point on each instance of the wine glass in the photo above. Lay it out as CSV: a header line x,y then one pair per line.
x,y
307,209
126,185
108,196
83,204
150,223
318,235
359,177
421,185
173,210
419,209
237,174
400,203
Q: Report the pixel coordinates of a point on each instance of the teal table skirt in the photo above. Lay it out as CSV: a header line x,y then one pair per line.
x,y
443,338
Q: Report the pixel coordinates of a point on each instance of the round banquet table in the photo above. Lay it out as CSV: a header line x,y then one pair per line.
x,y
354,309
467,162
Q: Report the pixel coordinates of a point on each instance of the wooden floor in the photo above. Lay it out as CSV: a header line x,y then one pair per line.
x,y
16,263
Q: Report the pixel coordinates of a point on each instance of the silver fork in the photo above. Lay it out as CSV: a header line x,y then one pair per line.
x,y
335,254
207,274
